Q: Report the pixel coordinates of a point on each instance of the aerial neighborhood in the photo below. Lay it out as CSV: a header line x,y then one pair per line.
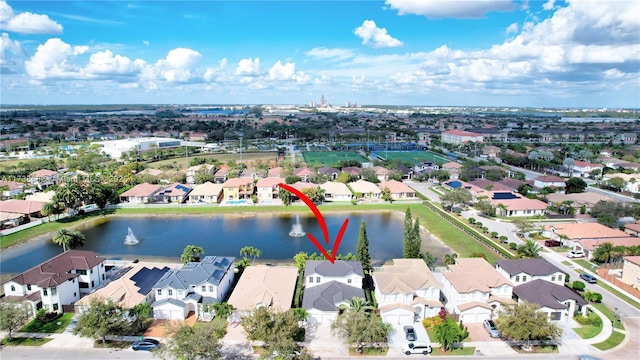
x,y
509,224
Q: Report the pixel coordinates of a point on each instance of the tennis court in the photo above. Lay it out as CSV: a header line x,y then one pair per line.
x,y
413,157
331,158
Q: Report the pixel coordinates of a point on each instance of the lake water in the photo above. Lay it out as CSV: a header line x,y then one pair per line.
x,y
166,237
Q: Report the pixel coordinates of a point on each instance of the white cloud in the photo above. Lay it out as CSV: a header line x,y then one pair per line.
x,y
11,55
437,9
282,72
512,29
179,66
145,42
248,67
549,4
8,45
53,59
105,63
372,35
335,53
26,22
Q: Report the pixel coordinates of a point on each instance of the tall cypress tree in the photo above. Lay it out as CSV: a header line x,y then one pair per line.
x,y
408,229
416,240
362,248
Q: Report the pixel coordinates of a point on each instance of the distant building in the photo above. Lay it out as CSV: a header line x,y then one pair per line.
x,y
460,137
116,148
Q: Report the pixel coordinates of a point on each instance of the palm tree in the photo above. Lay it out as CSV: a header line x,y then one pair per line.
x,y
63,238
48,209
250,251
357,304
450,259
604,252
529,249
191,253
77,240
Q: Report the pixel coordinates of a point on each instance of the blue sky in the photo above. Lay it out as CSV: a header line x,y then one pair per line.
x,y
548,53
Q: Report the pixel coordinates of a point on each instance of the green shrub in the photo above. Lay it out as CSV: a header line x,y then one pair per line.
x,y
513,246
578,285
472,220
596,321
567,278
432,322
582,320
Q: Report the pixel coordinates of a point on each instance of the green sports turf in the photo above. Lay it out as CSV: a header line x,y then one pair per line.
x,y
331,158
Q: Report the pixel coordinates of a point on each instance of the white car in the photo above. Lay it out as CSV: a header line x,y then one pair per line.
x,y
417,348
576,254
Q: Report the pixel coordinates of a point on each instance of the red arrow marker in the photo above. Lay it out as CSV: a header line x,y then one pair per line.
x,y
323,225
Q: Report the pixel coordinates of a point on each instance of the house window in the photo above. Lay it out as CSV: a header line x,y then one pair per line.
x,y
44,292
204,288
54,291
559,277
28,287
170,292
210,288
553,278
310,279
524,278
92,283
102,276
159,292
638,281
348,281
91,271
13,288
318,279
81,272
83,285
518,278
75,294
55,307
180,292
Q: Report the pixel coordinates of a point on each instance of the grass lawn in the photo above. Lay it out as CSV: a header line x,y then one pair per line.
x,y
589,331
50,327
586,264
609,314
612,341
617,293
24,341
369,351
223,158
458,351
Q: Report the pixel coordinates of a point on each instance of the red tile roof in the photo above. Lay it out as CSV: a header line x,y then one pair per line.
x,y
145,189
57,270
20,206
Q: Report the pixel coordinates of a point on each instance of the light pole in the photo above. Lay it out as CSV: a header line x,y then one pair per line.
x,y
386,149
240,148
615,316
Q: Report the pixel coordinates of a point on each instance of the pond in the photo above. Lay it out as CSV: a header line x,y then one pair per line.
x,y
165,237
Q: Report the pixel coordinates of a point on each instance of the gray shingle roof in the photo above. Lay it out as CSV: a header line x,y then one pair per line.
x,y
210,270
327,297
169,301
547,294
337,269
534,267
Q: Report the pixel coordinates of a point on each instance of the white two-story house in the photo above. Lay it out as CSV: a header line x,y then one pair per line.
x,y
185,290
327,286
59,281
475,290
407,291
521,271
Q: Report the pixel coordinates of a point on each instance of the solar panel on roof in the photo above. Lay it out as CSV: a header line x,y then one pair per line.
x,y
504,196
182,187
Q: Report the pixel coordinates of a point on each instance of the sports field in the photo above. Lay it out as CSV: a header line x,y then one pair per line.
x,y
413,156
331,158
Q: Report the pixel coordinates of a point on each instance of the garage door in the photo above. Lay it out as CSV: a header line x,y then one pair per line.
x,y
399,319
470,318
168,314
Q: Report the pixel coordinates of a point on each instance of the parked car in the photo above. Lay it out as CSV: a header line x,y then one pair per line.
x,y
145,344
552,243
491,328
576,254
410,333
417,348
588,278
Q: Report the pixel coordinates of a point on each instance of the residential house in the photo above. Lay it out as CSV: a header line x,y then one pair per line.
x,y
632,229
489,185
352,170
631,271
407,291
15,212
557,301
304,173
368,189
43,178
174,193
140,194
475,290
542,182
268,189
570,233
185,290
207,193
275,172
331,172
59,281
512,204
590,245
303,185
221,176
521,271
127,287
11,188
458,137
631,181
263,286
197,136
399,191
453,168
584,168
406,172
336,191
382,173
423,166
193,171
491,151
237,189
577,200
328,286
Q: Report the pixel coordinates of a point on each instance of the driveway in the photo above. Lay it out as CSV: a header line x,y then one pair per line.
x,y
397,337
477,332
322,343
